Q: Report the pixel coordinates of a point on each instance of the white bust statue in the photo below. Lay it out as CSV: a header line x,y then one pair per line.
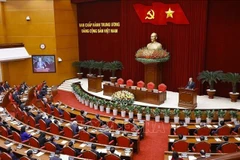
x,y
154,44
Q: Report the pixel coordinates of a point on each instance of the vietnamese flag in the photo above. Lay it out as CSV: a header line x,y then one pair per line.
x,y
160,15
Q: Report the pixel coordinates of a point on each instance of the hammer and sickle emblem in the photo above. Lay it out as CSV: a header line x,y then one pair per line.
x,y
150,14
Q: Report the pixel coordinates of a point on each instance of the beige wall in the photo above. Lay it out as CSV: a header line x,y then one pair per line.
x,y
53,23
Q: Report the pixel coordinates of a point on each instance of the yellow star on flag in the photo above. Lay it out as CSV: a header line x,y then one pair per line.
x,y
169,13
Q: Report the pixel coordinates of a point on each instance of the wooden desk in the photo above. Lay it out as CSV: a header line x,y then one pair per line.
x,y
187,98
168,154
95,84
141,96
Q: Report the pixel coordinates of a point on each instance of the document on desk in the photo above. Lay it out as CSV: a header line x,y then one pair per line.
x,y
83,145
192,158
197,126
229,125
237,138
33,133
102,150
31,130
217,139
67,124
215,126
39,154
198,139
118,153
64,142
173,125
14,122
10,144
209,126
171,140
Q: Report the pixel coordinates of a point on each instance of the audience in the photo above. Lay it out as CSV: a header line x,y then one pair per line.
x,y
225,138
58,147
82,113
42,139
48,120
77,152
4,124
24,135
56,156
175,156
98,117
74,127
112,150
10,152
30,155
202,155
220,125
59,126
236,128
93,149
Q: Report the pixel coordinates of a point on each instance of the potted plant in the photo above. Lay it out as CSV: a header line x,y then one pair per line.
x,y
99,66
123,108
89,65
233,78
86,100
187,114
139,112
221,114
96,103
210,114
113,67
166,113
210,77
233,115
130,110
198,114
91,101
115,108
156,113
176,115
147,113
102,102
108,106
78,65
84,96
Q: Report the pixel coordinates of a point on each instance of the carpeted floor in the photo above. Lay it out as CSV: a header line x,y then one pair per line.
x,y
153,145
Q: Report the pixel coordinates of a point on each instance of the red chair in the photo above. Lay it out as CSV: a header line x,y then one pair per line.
x,y
130,127
89,155
162,87
124,142
33,142
224,130
19,114
228,148
68,151
112,157
25,117
140,84
180,146
68,132
54,129
95,122
67,116
150,86
103,139
11,99
80,119
202,145
17,138
203,131
120,81
5,156
4,132
24,158
113,125
32,122
85,136
43,125
56,113
181,130
48,109
50,147
41,105
129,83
235,133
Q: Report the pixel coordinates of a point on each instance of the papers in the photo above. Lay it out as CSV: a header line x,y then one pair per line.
x,y
67,124
102,150
171,140
169,157
64,142
20,126
10,144
197,126
229,125
33,133
198,139
209,126
82,145
173,125
93,130
63,156
79,127
31,130
39,154
118,153
192,158
217,139
215,126
237,138
7,119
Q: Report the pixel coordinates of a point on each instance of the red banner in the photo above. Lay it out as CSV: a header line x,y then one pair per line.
x,y
160,13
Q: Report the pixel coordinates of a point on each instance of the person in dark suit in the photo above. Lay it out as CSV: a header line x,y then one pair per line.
x,y
191,84
175,156
56,156
98,117
236,128
112,150
5,124
221,123
93,149
180,137
6,85
21,90
74,127
48,120
202,155
113,119
38,117
2,89
58,147
84,116
57,123
77,152
225,138
16,97
10,152
25,86
42,139
30,155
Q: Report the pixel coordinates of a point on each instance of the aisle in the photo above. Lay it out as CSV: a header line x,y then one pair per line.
x,y
155,141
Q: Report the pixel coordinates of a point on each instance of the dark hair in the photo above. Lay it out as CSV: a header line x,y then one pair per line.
x,y
49,116
93,146
125,134
202,152
221,123
130,120
112,119
55,121
225,138
23,129
29,153
112,150
57,152
70,144
51,139
85,128
42,135
9,149
0,118
181,123
97,115
180,136
175,155
82,111
202,138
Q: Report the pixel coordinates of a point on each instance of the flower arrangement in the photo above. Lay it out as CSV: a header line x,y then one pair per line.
x,y
146,55
123,97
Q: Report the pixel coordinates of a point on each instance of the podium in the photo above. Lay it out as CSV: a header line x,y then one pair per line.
x,y
187,98
95,84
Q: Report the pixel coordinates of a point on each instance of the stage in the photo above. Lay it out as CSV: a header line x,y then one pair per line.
x,y
203,102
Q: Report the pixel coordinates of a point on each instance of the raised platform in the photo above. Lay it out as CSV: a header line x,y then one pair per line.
x,y
172,100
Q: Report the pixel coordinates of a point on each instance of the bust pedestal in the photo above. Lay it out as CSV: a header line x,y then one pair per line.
x,y
153,73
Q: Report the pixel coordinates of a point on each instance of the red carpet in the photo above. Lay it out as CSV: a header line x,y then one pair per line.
x,y
153,145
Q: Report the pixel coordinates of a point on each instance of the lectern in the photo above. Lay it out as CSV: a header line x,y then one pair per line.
x,y
95,84
187,98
